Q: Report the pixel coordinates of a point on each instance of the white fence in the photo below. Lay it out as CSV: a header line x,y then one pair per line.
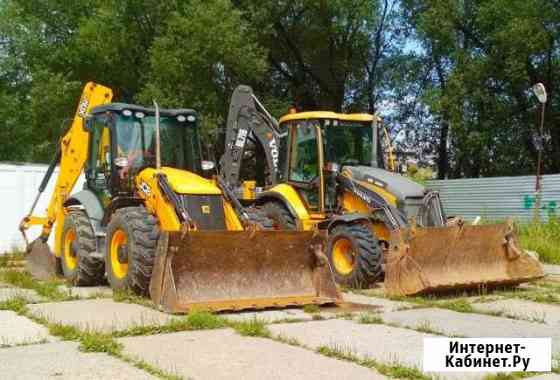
x,y
18,187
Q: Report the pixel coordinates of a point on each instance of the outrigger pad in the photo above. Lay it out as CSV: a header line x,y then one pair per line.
x,y
423,260
234,270
40,261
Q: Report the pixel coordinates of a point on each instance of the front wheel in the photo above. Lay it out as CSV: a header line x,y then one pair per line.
x,y
132,237
79,262
355,255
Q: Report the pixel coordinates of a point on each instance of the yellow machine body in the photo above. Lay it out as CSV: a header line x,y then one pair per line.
x,y
451,255
166,229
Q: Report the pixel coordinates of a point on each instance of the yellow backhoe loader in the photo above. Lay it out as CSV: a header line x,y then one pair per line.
x,y
327,170
149,221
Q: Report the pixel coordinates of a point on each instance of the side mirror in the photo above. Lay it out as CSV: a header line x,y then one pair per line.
x,y
208,165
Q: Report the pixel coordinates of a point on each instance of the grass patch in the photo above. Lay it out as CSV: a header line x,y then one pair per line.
x,y
390,370
98,342
47,289
253,327
370,319
12,260
426,327
127,296
203,320
460,305
346,315
198,320
145,366
542,295
543,238
16,304
287,340
90,341
311,309
64,332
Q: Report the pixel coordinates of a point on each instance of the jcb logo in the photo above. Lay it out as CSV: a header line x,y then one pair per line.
x,y
205,209
83,107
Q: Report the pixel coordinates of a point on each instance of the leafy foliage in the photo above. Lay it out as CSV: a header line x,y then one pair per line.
x,y
454,75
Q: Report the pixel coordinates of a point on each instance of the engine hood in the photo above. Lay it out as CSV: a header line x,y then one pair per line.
x,y
184,182
401,187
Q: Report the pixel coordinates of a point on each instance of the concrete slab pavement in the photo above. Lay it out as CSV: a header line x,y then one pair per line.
x,y
522,309
384,343
552,271
63,361
99,314
472,325
16,330
383,304
83,292
269,316
27,294
223,354
547,376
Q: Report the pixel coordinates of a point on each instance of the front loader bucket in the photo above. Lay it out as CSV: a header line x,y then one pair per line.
x,y
40,261
425,260
234,270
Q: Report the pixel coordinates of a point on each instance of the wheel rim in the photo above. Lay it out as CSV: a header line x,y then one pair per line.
x,y
118,241
343,256
70,257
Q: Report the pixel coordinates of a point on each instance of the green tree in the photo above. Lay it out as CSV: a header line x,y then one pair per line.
x,y
485,55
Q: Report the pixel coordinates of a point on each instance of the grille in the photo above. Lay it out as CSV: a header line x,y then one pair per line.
x,y
206,210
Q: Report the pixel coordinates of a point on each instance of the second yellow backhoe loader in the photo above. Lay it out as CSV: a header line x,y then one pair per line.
x,y
327,170
149,221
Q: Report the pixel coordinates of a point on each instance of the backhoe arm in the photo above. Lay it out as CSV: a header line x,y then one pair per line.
x,y
71,154
248,119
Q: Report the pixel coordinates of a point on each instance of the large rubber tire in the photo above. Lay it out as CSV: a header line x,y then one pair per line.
x,y
355,255
79,263
137,231
281,216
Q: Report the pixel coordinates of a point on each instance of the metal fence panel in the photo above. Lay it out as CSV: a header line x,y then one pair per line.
x,y
498,197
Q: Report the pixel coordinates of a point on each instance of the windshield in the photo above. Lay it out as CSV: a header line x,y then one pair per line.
x,y
347,142
136,143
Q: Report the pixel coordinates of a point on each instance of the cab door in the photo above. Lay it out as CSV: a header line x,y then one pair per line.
x,y
99,165
305,162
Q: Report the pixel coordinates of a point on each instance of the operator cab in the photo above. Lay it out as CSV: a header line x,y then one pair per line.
x,y
317,147
123,142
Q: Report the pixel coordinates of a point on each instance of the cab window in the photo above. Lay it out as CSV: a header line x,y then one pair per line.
x,y
304,159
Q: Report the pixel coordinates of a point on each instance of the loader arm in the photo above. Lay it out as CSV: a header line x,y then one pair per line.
x,y
248,119
71,155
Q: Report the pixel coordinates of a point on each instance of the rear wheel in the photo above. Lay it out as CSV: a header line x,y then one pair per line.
x,y
280,215
132,237
79,262
355,255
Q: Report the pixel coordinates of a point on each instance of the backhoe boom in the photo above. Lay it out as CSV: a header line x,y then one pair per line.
x,y
71,154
